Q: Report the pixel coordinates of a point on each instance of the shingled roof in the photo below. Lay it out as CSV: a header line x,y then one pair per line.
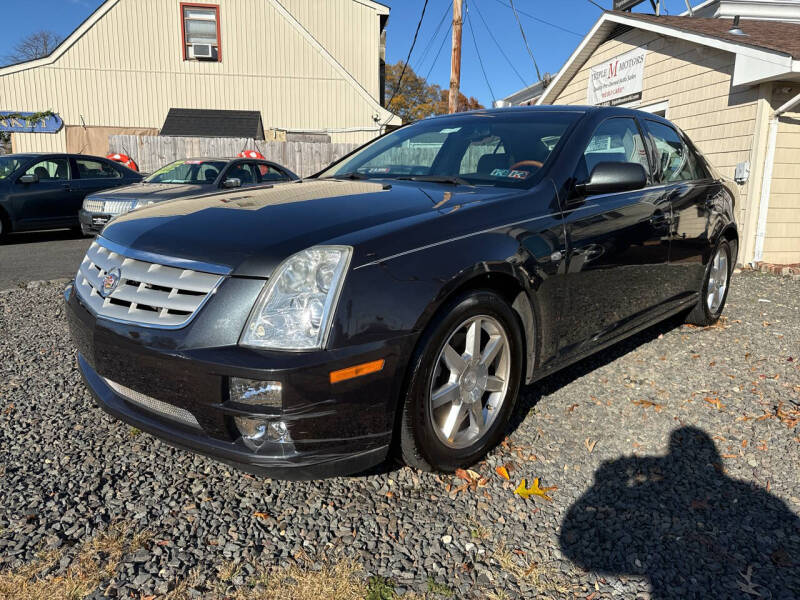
x,y
769,35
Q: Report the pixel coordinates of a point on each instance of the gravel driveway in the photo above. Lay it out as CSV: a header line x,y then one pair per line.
x,y
676,458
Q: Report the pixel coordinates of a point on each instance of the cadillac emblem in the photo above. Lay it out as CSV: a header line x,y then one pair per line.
x,y
110,282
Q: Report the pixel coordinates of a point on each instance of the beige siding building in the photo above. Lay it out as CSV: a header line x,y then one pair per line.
x,y
723,90
303,65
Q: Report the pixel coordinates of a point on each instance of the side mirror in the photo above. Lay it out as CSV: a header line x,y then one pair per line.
x,y
29,178
610,177
232,182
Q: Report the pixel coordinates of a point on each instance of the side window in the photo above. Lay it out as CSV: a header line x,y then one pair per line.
x,y
674,161
245,173
94,169
615,140
269,173
53,169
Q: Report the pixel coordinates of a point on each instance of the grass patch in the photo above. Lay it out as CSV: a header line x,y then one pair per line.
x,y
95,562
440,589
133,432
380,588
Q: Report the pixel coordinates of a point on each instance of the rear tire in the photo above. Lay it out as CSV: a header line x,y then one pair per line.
x,y
714,291
458,403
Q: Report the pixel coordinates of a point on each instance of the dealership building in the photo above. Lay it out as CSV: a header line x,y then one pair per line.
x,y
735,90
236,68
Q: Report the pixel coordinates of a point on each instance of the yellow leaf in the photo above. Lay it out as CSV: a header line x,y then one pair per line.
x,y
261,515
526,492
503,472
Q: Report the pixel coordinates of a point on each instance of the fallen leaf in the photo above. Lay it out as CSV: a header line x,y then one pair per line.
x,y
572,407
261,515
744,443
715,402
526,492
390,495
590,444
647,404
730,456
503,472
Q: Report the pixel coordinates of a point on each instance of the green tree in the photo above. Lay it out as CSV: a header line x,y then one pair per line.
x,y
416,99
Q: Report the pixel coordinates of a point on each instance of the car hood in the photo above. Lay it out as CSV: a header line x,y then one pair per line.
x,y
157,192
251,231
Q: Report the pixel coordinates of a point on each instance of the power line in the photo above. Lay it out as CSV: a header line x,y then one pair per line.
x,y
405,65
499,47
480,60
525,39
597,5
434,36
548,23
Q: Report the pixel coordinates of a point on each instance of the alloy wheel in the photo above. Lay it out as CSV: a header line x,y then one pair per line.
x,y
470,382
717,281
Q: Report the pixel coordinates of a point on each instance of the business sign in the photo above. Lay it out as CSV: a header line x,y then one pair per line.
x,y
13,122
626,4
618,80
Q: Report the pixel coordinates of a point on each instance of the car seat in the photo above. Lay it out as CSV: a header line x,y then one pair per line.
x,y
41,173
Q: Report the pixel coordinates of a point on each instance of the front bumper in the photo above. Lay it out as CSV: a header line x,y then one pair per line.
x,y
93,222
333,429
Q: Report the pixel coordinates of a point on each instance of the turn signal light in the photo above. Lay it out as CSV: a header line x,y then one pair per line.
x,y
357,371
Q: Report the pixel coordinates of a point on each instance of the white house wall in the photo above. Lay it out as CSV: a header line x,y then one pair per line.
x,y
127,72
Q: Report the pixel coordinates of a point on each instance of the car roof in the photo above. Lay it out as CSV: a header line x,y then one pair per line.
x,y
545,108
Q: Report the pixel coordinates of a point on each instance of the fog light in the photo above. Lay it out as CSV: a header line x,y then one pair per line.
x,y
277,431
256,393
254,431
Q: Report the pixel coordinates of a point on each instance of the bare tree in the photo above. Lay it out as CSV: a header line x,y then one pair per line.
x,y
33,46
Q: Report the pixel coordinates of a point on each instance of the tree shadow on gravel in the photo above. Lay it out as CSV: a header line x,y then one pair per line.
x,y
689,529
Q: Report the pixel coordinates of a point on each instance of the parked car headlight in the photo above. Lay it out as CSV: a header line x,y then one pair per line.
x,y
296,306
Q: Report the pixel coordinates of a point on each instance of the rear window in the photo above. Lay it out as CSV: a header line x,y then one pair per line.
x,y
8,165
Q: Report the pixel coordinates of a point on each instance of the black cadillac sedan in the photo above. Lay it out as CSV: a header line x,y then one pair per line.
x,y
400,298
180,179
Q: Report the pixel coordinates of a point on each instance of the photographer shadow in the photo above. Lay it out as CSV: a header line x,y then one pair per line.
x,y
689,529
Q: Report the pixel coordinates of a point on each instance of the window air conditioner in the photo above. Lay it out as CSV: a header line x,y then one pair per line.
x,y
202,51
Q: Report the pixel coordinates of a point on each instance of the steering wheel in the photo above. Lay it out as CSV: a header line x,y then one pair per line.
x,y
525,163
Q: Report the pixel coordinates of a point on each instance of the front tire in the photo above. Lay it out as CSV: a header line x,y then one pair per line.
x,y
465,377
714,291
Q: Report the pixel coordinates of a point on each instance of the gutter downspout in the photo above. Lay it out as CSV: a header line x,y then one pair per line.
x,y
766,183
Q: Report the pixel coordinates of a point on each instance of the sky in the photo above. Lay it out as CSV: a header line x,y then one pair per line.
x,y
489,26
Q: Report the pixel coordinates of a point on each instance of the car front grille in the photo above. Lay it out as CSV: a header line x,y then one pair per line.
x,y
150,404
118,207
145,293
93,205
111,207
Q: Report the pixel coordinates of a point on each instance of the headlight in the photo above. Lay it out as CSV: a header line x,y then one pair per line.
x,y
295,309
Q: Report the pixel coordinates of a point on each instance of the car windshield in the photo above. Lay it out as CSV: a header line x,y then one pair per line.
x,y
188,171
502,148
8,165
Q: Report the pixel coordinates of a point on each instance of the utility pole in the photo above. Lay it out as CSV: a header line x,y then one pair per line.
x,y
455,62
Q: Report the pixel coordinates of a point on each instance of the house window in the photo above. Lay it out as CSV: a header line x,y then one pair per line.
x,y
201,39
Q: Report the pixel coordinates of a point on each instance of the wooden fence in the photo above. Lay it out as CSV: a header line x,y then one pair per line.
x,y
152,152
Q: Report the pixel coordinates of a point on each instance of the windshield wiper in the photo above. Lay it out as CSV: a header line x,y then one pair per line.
x,y
451,179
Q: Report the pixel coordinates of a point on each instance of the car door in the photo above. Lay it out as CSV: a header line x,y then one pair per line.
x,y
94,175
47,201
691,192
618,243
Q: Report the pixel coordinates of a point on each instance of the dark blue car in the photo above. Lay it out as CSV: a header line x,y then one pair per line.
x,y
45,191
